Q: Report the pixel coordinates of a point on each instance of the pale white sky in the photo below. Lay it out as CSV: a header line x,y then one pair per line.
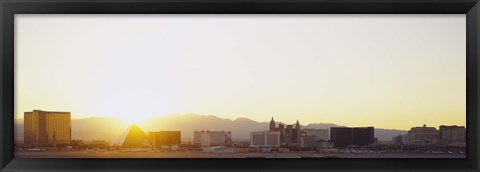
x,y
387,71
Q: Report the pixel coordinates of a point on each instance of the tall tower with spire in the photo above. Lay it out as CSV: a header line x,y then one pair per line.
x,y
272,125
298,132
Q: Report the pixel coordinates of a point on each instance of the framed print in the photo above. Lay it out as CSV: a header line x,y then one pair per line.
x,y
229,85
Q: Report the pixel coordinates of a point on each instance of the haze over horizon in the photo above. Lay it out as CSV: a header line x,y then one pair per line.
x,y
150,120
390,71
110,128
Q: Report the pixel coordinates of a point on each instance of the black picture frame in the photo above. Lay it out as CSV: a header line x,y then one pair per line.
x,y
9,8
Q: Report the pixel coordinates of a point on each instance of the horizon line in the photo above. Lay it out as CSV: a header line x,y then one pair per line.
x,y
338,125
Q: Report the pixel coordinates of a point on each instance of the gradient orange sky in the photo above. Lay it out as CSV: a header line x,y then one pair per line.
x,y
387,71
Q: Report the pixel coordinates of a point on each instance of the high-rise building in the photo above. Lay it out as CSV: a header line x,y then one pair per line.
x,y
363,136
403,139
272,125
344,136
258,139
424,135
212,138
308,141
46,128
297,132
164,138
272,139
289,134
281,129
408,139
453,135
341,136
197,138
265,139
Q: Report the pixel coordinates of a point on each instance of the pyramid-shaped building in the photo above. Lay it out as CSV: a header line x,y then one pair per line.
x,y
133,137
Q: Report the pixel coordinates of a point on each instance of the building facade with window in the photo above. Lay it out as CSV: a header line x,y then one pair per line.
x,y
47,128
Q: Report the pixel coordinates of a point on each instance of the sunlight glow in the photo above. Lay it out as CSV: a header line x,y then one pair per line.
x,y
391,71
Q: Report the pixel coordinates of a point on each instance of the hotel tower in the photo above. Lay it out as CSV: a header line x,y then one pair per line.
x,y
45,128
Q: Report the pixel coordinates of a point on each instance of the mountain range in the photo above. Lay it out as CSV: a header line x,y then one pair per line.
x,y
109,128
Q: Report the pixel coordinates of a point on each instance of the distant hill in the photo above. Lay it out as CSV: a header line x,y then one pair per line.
x,y
109,128
98,128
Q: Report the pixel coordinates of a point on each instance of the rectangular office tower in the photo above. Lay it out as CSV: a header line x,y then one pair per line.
x,y
363,136
265,139
344,136
44,128
453,135
165,138
212,138
341,136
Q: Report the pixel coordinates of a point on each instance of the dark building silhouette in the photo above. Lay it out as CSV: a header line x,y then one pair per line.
x,y
297,132
272,125
289,134
341,137
165,138
452,135
344,136
363,136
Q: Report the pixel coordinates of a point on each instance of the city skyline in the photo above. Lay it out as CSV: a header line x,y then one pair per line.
x,y
147,120
396,77
181,120
49,131
50,127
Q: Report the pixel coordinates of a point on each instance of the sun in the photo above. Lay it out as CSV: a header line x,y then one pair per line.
x,y
133,119
131,106
136,117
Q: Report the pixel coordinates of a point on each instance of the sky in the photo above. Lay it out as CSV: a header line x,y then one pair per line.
x,y
387,71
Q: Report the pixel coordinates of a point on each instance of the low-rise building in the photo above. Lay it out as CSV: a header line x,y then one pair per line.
x,y
397,139
323,144
218,149
100,142
321,134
